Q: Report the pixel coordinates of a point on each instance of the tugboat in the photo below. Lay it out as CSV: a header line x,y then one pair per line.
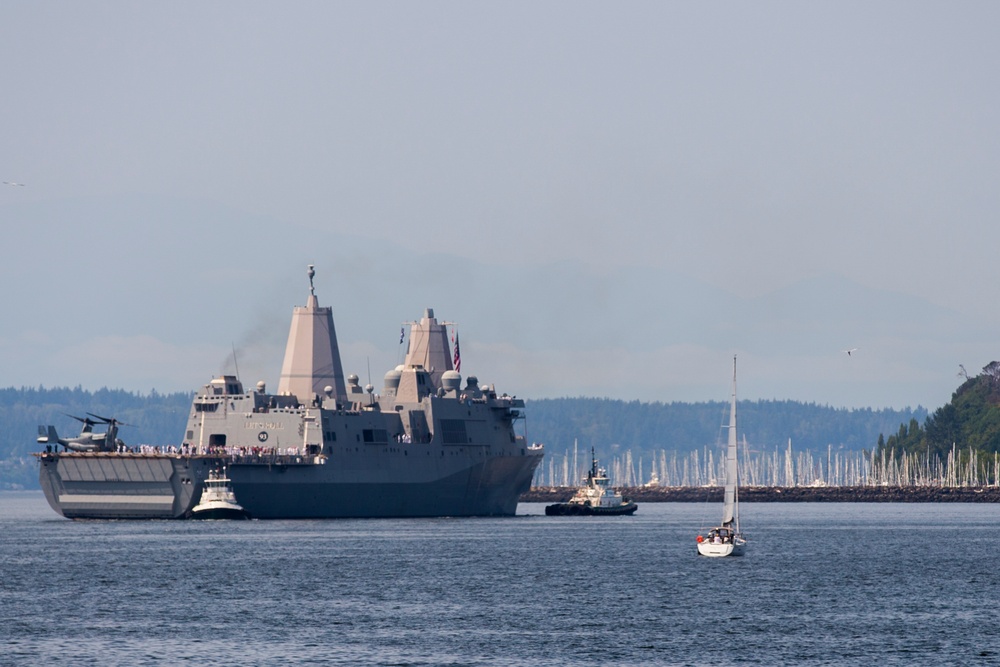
x,y
595,498
218,500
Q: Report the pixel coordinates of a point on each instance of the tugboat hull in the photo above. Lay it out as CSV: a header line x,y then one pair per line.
x,y
576,509
220,513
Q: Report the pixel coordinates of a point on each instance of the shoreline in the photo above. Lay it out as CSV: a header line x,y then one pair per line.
x,y
805,494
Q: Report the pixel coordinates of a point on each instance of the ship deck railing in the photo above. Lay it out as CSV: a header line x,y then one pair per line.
x,y
266,458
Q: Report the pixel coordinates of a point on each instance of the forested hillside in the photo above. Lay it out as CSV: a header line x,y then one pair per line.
x,y
970,421
610,426
149,419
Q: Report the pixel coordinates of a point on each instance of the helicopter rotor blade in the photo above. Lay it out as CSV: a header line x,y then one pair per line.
x,y
107,420
82,420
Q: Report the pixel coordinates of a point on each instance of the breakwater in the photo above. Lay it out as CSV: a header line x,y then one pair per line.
x,y
773,494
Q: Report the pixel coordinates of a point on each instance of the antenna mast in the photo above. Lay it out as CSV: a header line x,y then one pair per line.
x,y
235,363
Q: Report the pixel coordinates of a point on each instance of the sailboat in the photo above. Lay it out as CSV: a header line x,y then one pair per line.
x,y
726,538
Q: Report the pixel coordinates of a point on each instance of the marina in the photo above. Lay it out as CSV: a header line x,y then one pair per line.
x,y
786,467
789,494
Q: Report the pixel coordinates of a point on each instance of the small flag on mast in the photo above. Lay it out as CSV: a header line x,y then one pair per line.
x,y
458,355
402,333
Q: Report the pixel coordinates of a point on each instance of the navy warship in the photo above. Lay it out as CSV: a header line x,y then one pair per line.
x,y
321,446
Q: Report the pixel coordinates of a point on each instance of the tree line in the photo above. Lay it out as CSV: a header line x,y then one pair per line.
x,y
610,426
151,418
970,422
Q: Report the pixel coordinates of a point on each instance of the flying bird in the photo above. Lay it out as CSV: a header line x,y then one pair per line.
x,y
13,183
853,349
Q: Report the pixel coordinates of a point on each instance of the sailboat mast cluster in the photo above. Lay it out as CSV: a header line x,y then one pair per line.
x,y
784,467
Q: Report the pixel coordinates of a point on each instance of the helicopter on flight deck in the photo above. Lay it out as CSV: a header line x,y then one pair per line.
x,y
87,441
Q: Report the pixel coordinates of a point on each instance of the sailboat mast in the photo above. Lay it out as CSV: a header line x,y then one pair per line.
x,y
730,510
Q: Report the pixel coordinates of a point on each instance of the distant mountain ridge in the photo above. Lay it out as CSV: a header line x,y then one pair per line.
x,y
609,426
559,328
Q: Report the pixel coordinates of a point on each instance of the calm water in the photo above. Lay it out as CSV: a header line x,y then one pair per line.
x,y
822,584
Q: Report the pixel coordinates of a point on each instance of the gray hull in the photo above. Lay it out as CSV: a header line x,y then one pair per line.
x,y
122,486
144,486
301,495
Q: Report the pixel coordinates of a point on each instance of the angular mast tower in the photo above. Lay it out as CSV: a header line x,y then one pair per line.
x,y
312,358
429,346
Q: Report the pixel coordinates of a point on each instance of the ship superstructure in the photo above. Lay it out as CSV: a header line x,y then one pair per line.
x,y
322,446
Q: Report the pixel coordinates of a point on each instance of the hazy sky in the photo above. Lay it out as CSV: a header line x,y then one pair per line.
x,y
627,194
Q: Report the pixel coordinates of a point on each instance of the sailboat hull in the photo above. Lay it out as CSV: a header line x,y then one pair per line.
x,y
720,550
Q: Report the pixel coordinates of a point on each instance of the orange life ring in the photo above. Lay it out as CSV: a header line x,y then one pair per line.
x,y
700,538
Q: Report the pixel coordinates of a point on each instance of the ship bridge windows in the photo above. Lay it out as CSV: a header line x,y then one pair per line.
x,y
375,435
206,407
227,384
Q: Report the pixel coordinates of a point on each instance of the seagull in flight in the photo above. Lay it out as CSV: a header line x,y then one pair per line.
x,y
853,349
13,183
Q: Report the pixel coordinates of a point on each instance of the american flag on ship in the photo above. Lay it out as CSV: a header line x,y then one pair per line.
x,y
458,355
402,333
